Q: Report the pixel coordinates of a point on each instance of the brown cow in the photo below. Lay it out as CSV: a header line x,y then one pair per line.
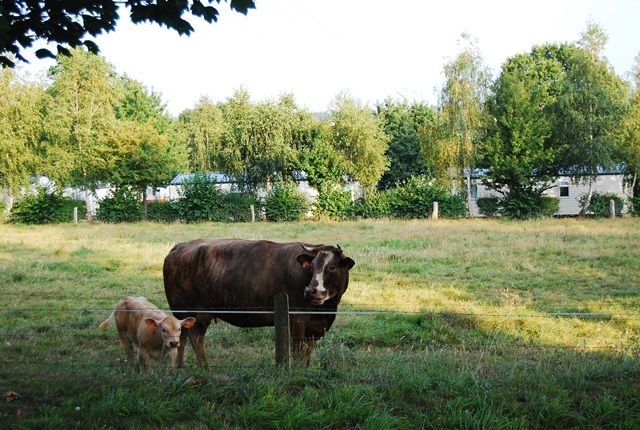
x,y
151,331
209,275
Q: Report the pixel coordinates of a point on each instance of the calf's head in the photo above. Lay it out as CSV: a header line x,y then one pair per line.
x,y
330,272
169,329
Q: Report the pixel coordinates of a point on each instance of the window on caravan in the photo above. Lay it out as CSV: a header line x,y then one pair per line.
x,y
564,188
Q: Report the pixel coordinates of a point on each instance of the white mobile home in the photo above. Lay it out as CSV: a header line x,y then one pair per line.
x,y
566,191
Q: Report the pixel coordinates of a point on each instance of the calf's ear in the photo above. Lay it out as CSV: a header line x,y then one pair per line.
x,y
152,324
188,322
305,260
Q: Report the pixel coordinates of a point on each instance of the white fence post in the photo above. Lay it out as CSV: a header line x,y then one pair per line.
x,y
435,210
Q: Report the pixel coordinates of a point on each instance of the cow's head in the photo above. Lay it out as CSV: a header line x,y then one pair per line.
x,y
169,329
330,272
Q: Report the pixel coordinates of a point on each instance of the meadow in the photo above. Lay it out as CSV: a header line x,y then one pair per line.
x,y
478,324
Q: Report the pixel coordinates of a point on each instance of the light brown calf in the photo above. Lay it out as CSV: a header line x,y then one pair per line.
x,y
151,331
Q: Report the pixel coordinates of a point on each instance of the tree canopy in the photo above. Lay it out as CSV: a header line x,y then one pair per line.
x,y
71,23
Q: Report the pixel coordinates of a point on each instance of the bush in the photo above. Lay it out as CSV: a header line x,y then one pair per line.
x,y
124,205
237,207
599,206
414,199
285,203
373,205
527,204
44,208
634,206
162,211
488,206
334,203
201,200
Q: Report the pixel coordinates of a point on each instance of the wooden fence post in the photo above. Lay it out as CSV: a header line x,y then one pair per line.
x,y
75,214
283,338
253,214
612,208
435,210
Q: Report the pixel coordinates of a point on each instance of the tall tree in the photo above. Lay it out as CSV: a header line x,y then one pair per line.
x,y
20,129
84,93
203,127
260,142
359,139
142,149
518,154
589,111
71,23
402,123
631,128
462,99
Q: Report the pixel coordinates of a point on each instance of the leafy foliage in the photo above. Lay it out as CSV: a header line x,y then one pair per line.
x,y
43,208
488,206
285,203
123,205
414,198
527,204
333,203
71,23
600,206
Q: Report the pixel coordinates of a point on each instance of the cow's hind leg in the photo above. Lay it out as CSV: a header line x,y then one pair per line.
x,y
196,336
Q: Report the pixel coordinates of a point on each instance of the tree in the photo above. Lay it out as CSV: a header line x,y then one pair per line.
x,y
403,123
203,127
70,23
589,111
462,100
260,142
518,154
359,139
631,130
79,116
142,149
20,128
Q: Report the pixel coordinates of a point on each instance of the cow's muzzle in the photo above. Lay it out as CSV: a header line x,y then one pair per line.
x,y
173,344
314,296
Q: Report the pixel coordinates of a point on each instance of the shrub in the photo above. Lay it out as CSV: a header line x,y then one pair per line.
x,y
201,200
488,206
527,204
599,206
162,211
285,203
124,205
334,203
634,206
43,208
373,205
237,207
414,199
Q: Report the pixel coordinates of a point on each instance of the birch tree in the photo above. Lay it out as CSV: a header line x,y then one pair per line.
x,y
462,99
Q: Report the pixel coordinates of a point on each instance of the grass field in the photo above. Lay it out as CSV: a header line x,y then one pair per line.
x,y
447,324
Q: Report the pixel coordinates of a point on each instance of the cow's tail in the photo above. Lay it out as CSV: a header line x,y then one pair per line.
x,y
107,322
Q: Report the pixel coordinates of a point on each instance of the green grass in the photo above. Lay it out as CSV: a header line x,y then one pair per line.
x,y
506,325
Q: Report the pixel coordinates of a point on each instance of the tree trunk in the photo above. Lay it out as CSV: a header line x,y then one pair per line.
x,y
587,203
469,193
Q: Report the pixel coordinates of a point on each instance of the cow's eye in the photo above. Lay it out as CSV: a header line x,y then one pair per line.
x,y
332,268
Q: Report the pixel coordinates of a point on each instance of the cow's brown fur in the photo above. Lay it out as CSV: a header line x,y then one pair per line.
x,y
142,325
208,275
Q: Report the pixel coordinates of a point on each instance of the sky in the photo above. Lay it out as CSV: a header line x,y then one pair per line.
x,y
372,49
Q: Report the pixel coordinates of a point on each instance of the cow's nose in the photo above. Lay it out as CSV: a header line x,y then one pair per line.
x,y
174,343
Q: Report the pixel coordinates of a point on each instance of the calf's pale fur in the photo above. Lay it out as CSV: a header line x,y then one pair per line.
x,y
153,333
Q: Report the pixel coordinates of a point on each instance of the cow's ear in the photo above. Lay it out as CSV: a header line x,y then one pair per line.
x,y
151,324
188,322
305,260
348,263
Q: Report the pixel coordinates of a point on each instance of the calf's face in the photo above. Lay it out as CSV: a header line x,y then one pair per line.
x,y
169,329
330,274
